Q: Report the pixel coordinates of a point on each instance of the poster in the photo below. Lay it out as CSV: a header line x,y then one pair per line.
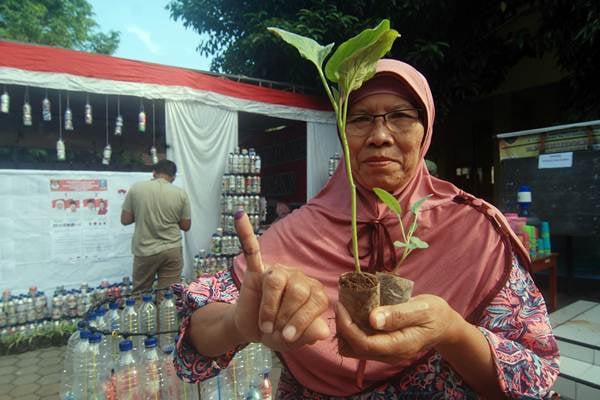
x,y
63,228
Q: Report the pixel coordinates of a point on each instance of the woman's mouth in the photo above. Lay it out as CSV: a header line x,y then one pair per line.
x,y
378,162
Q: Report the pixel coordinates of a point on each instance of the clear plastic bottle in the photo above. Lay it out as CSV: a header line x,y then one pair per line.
x,y
147,316
80,355
152,374
113,320
127,377
67,378
102,325
129,321
170,388
167,319
97,371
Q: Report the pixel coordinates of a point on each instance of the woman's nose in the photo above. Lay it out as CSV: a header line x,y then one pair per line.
x,y
380,134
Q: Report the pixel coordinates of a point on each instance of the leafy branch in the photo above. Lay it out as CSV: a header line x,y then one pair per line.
x,y
353,63
410,241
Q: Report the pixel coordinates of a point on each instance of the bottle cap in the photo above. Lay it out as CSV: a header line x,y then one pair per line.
x,y
150,342
168,295
101,311
130,301
81,325
95,337
125,345
168,349
147,297
84,334
113,305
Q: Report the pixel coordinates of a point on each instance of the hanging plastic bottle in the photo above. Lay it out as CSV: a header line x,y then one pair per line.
x,y
68,119
4,102
88,113
167,319
46,113
129,320
142,121
147,316
106,154
266,387
127,377
119,125
171,387
26,114
61,153
113,321
152,374
154,155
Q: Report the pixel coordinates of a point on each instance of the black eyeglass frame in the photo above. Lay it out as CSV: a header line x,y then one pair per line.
x,y
373,117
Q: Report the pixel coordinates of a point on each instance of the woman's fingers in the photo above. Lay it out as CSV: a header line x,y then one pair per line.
x,y
298,321
274,284
249,242
399,316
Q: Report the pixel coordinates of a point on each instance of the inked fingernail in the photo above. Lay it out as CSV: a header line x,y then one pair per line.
x,y
289,332
267,327
379,320
238,214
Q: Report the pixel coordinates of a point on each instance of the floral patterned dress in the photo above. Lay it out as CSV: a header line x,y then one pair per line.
x,y
515,324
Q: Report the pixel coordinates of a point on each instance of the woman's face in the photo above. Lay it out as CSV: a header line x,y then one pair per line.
x,y
382,156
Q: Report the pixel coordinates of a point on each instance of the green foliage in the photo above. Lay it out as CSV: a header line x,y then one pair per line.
x,y
411,242
464,48
63,23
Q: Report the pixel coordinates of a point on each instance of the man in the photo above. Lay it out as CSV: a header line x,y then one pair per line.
x,y
160,210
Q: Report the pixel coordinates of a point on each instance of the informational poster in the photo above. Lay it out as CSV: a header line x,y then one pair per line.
x,y
63,228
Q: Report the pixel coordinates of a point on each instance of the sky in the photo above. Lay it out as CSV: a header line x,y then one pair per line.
x,y
148,33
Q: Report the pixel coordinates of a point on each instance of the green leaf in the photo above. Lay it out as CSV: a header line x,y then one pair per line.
x,y
361,66
399,244
389,201
417,204
418,243
307,47
363,40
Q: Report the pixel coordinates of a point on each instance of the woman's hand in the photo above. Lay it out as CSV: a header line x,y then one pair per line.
x,y
278,306
403,330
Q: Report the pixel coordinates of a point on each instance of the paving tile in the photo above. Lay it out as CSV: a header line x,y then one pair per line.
x,y
48,379
566,313
27,362
54,352
597,357
577,352
44,363
6,370
48,391
24,379
33,369
6,379
587,393
28,355
592,375
572,367
21,391
52,369
5,390
6,361
565,387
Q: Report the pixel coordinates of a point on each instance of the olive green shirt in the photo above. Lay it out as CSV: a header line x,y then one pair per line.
x,y
157,207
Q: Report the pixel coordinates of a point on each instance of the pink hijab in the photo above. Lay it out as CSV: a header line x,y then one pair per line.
x,y
467,263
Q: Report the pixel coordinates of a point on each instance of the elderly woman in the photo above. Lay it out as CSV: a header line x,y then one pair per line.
x,y
476,326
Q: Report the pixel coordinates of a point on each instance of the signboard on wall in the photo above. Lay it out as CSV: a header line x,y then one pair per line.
x,y
63,228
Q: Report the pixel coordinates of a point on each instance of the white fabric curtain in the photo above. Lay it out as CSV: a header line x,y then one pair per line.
x,y
321,143
199,139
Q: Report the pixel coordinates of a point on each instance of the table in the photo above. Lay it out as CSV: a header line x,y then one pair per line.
x,y
543,263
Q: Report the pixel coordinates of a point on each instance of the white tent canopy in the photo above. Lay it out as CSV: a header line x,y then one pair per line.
x,y
200,116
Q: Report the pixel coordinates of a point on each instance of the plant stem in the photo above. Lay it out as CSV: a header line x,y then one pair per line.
x,y
342,133
328,91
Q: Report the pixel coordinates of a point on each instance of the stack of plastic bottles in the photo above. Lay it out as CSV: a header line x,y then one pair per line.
x,y
115,353
246,377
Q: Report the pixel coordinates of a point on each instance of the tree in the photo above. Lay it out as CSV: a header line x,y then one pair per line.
x,y
464,47
64,23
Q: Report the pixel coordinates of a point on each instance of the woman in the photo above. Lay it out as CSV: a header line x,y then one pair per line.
x,y
476,326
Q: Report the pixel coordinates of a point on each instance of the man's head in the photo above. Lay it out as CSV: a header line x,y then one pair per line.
x,y
165,169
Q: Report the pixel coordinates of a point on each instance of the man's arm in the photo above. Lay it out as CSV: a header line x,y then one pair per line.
x,y
127,218
184,224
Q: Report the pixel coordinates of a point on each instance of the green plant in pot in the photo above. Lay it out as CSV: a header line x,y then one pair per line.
x,y
352,64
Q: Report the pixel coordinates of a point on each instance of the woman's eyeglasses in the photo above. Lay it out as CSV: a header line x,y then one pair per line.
x,y
396,121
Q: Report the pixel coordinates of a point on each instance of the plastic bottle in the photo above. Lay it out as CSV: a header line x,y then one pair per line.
x,y
66,381
148,316
97,369
152,374
127,377
167,319
80,355
129,320
113,321
171,387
